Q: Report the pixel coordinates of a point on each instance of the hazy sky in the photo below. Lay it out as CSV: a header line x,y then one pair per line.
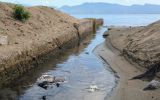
x,y
58,3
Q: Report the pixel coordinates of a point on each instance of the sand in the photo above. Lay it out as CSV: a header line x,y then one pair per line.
x,y
141,45
111,51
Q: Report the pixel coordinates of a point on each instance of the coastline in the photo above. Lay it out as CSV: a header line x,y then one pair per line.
x,y
126,89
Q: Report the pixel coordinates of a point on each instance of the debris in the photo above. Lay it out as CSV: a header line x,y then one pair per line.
x,y
93,88
59,80
152,85
46,80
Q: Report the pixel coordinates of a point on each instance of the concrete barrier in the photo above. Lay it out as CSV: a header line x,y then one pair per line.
x,y
99,22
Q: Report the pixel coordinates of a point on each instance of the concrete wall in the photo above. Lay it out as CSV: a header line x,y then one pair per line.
x,y
99,22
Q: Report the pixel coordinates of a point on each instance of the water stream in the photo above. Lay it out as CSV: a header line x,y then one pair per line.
x,y
79,65
81,69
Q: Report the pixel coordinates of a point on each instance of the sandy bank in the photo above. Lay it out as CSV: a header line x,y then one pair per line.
x,y
46,33
127,89
140,45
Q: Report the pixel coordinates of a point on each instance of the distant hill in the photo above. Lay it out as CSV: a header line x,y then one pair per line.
x,y
106,8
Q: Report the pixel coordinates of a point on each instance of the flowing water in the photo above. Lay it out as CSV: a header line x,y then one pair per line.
x,y
81,70
80,67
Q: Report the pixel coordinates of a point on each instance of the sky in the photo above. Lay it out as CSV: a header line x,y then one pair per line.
x,y
59,3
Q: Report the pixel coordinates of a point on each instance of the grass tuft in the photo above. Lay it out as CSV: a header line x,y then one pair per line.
x,y
20,13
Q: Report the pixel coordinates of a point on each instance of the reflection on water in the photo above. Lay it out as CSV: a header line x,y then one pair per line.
x,y
81,68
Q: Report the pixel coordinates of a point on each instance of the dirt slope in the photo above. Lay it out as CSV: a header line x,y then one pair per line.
x,y
44,23
46,30
141,45
144,45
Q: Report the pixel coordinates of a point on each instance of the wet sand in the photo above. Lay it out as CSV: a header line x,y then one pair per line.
x,y
127,89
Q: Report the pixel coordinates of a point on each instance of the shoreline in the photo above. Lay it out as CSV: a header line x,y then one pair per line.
x,y
126,89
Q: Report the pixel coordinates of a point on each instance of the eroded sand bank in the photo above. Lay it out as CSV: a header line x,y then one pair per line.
x,y
47,32
111,51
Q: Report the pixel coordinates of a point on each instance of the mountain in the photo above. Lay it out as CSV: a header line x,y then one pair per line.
x,y
106,8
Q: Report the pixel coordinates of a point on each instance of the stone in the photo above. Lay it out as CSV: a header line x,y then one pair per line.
x,y
3,40
105,35
43,85
47,80
152,85
93,88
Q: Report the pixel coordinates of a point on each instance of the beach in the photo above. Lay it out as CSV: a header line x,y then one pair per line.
x,y
111,52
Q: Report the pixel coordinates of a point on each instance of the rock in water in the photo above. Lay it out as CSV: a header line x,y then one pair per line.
x,y
57,84
43,85
92,88
106,34
152,85
43,97
59,80
46,78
